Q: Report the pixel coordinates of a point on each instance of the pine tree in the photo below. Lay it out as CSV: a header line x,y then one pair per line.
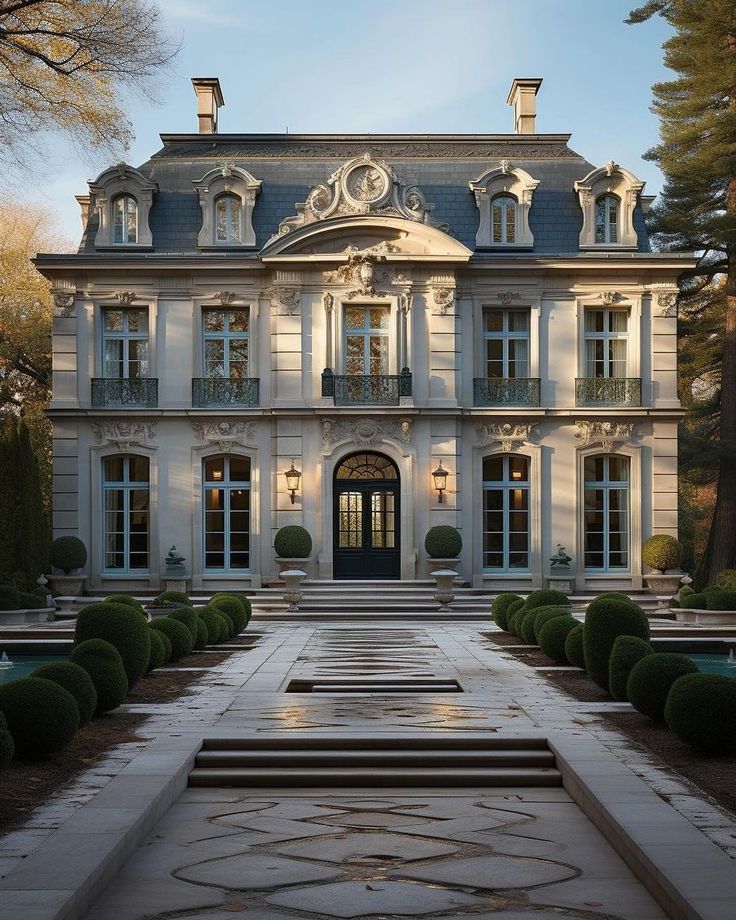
x,y
697,211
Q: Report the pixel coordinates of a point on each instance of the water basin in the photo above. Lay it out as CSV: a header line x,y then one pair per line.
x,y
23,665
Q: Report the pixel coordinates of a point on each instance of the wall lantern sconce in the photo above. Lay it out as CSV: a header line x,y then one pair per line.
x,y
292,481
440,481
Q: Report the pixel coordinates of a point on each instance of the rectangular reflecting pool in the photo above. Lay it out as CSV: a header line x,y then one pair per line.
x,y
16,666
714,663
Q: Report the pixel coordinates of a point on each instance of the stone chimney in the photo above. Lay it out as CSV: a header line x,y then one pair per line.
x,y
209,101
522,96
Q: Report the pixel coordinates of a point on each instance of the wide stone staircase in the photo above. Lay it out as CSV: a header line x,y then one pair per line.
x,y
378,761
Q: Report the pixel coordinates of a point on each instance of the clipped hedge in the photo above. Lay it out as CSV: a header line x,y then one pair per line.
x,y
661,552
159,654
227,630
574,646
721,599
651,678
188,616
103,663
546,597
42,717
553,635
202,636
608,617
166,641
178,635
175,597
30,601
626,652
443,542
543,614
515,621
701,710
500,608
292,542
526,626
127,600
68,554
9,598
208,616
233,608
7,745
75,680
694,602
122,627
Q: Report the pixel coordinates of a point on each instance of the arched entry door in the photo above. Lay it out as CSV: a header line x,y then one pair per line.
x,y
366,517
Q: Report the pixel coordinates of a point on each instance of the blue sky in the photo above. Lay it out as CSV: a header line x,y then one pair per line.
x,y
406,66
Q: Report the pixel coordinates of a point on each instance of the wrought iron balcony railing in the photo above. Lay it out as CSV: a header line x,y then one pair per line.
x,y
127,392
506,391
224,392
367,389
608,391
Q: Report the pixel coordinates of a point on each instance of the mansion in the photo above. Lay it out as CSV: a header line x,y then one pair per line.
x,y
437,329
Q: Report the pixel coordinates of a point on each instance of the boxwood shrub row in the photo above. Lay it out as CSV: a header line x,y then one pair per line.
x,y
114,646
613,648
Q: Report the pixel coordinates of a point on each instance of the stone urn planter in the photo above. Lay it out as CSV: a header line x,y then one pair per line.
x,y
293,547
292,587
664,584
443,545
71,585
450,562
68,558
445,593
292,562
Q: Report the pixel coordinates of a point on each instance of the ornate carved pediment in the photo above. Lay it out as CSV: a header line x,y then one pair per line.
x,y
363,185
360,269
365,432
225,435
610,435
610,297
510,435
125,435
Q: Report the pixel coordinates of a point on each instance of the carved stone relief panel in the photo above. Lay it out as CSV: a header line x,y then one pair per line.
x,y
125,434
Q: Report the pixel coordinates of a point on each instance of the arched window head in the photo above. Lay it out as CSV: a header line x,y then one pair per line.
x,y
606,219
503,219
227,219
124,219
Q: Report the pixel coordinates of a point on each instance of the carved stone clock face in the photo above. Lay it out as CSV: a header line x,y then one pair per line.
x,y
366,183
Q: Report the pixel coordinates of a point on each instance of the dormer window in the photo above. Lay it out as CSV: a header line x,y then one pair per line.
x,y
227,219
606,219
503,216
124,219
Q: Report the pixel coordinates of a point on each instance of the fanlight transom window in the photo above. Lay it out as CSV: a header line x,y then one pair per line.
x,y
503,219
228,219
125,219
606,219
366,466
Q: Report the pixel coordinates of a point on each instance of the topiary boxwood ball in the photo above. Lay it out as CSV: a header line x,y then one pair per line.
x,y
208,615
227,630
526,626
233,608
443,542
122,627
625,653
103,663
694,602
7,745
75,680
42,717
574,651
202,636
178,635
553,636
608,617
159,651
720,599
701,710
68,554
515,620
128,601
651,678
189,617
500,608
30,601
661,552
543,614
547,598
176,597
292,542
9,598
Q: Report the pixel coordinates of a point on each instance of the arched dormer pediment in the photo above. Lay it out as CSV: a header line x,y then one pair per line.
x,y
622,189
122,193
363,185
507,227
236,183
390,238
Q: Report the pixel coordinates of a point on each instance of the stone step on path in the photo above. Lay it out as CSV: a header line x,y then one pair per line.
x,y
374,761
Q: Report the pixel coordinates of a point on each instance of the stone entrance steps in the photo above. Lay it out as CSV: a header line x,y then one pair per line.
x,y
376,762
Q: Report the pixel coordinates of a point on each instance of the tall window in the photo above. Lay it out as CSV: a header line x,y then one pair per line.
x,y
606,512
226,343
606,343
503,219
227,514
125,343
367,340
506,513
227,219
606,219
125,219
125,483
506,343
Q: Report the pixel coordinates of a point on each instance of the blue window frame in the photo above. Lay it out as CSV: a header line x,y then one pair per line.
x,y
226,514
126,503
506,513
606,511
